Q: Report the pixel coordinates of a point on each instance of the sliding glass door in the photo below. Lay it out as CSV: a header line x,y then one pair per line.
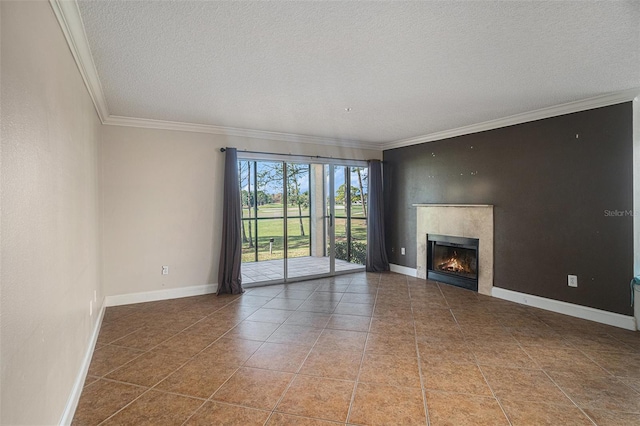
x,y
350,212
261,184
305,224
290,214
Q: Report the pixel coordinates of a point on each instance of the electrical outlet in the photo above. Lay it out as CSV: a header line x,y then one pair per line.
x,y
90,308
402,251
572,280
165,270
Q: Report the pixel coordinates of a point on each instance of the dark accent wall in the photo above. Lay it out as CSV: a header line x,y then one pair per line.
x,y
552,192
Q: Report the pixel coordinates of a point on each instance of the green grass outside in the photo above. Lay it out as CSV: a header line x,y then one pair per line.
x,y
273,228
276,210
298,245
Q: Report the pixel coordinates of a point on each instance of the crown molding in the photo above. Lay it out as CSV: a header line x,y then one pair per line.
x,y
147,123
539,114
68,15
70,21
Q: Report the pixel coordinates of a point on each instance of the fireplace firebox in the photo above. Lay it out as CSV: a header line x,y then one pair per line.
x,y
453,260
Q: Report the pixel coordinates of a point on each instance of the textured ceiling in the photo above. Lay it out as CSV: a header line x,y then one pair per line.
x,y
404,68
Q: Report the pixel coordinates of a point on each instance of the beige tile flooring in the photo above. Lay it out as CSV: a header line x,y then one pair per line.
x,y
269,270
378,349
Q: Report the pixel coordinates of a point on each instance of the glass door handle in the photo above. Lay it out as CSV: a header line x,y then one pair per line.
x,y
330,220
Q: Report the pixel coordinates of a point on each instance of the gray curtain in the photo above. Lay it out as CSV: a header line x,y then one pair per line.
x,y
229,275
376,251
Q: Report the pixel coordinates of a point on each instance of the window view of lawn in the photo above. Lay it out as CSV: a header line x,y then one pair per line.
x,y
261,185
299,245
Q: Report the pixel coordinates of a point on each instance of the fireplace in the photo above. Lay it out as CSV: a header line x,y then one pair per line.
x,y
464,220
453,260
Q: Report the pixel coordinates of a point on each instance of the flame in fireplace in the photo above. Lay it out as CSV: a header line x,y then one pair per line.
x,y
453,264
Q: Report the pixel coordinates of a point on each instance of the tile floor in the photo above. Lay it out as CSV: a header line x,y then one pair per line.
x,y
361,349
269,270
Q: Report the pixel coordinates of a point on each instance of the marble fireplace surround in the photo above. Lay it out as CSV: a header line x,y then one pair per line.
x,y
460,220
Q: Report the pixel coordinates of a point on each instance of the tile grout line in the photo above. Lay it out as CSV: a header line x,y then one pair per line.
x,y
418,357
364,352
194,412
568,396
122,365
125,406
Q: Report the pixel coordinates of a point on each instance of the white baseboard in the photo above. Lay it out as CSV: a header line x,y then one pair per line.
x,y
76,390
584,312
412,272
152,296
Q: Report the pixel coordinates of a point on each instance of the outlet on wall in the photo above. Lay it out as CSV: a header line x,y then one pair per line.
x,y
402,251
572,280
165,270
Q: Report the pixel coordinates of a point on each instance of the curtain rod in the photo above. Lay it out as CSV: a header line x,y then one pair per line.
x,y
296,155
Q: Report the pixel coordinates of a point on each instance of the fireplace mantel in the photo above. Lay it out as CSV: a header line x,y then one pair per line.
x,y
461,220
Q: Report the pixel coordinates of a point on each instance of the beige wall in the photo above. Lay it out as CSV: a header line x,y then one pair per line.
x,y
162,195
49,222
